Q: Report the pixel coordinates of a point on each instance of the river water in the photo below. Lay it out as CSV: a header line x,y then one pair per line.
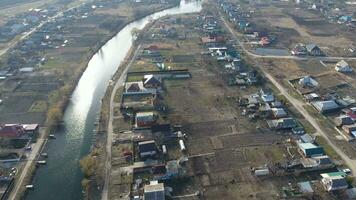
x,y
61,178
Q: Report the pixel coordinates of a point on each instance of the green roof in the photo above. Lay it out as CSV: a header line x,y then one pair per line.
x,y
333,174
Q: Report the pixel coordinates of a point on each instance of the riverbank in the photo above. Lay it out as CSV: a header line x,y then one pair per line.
x,y
59,107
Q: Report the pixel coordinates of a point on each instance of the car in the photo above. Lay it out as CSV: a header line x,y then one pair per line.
x,y
345,170
28,148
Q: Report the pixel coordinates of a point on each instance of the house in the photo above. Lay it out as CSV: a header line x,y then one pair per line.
x,y
278,113
135,87
145,119
308,81
334,183
154,191
325,106
12,131
318,162
343,120
343,66
352,113
310,150
152,81
283,123
147,148
276,104
267,97
324,160
350,129
313,50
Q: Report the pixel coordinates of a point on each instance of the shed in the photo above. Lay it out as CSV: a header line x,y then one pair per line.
x,y
306,138
305,187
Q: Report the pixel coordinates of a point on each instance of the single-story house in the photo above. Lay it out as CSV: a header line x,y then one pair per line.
x,y
350,129
325,106
343,120
152,81
147,148
308,81
313,50
266,96
12,131
135,87
145,119
343,66
279,113
352,113
154,191
310,150
283,123
324,160
334,183
276,104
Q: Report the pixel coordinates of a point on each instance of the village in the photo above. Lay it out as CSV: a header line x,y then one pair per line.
x,y
243,100
196,120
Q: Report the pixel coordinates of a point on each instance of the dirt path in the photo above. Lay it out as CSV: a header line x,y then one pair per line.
x,y
295,102
109,139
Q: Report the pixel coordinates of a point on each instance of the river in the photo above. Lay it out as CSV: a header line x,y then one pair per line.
x,y
61,178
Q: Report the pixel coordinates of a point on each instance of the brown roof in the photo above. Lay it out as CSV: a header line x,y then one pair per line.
x,y
11,130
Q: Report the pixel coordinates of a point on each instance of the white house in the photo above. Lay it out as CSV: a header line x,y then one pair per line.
x,y
343,66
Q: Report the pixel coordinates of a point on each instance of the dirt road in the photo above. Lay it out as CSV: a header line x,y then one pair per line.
x,y
109,139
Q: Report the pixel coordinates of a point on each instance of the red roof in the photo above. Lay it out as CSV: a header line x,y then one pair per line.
x,y
12,130
351,114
